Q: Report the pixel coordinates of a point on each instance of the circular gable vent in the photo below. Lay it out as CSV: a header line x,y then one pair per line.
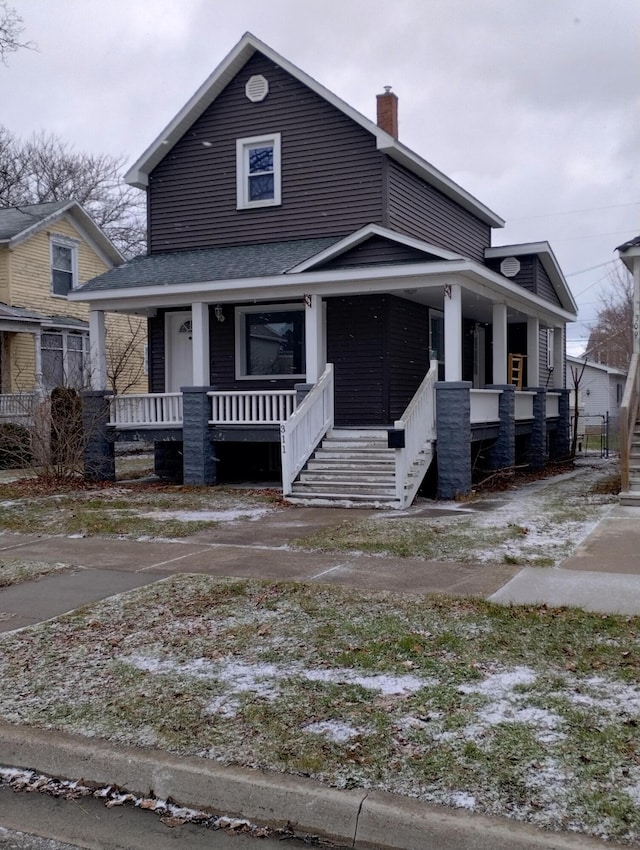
x,y
257,88
510,266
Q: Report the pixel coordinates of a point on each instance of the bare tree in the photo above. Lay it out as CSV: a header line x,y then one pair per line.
x,y
11,28
125,356
611,339
45,168
577,373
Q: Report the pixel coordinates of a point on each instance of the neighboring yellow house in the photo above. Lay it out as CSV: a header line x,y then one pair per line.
x,y
47,250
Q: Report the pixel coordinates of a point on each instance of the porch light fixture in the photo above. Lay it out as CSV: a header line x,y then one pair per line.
x,y
218,313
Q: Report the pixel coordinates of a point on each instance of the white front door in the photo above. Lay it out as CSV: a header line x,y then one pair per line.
x,y
179,351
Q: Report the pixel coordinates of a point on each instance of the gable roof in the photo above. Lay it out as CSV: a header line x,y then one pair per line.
x,y
591,364
342,246
138,174
20,223
547,258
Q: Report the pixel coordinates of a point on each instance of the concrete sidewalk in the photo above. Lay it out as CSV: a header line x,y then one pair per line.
x,y
602,575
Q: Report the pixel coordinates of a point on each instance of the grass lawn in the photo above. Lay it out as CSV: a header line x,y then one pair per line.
x,y
15,570
523,712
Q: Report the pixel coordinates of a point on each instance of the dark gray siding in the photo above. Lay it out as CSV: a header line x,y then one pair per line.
x,y
331,170
420,210
155,341
532,276
545,287
379,347
377,251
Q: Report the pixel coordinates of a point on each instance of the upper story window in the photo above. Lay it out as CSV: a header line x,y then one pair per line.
x,y
258,171
64,265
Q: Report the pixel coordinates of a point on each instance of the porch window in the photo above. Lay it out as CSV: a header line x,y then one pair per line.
x,y
64,264
258,171
270,342
64,360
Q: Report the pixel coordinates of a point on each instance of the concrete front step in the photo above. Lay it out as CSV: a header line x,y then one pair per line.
x,y
630,498
365,500
344,488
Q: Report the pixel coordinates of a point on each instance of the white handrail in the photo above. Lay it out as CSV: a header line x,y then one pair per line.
x,y
304,429
419,425
252,407
145,410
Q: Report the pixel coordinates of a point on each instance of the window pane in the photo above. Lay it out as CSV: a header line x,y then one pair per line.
x,y
62,282
261,187
75,371
260,159
275,343
74,343
52,341
52,369
62,257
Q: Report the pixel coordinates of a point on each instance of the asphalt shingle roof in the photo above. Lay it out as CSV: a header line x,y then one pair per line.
x,y
632,243
13,220
240,261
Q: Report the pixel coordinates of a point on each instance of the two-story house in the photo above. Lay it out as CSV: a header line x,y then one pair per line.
x,y
47,251
320,295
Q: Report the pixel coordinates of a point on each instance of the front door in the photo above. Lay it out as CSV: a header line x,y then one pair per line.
x,y
179,351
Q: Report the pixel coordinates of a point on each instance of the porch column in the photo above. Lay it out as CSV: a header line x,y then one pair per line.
x,y
453,332
502,455
500,347
199,458
98,349
98,454
200,331
37,350
314,338
533,352
537,450
453,452
560,439
558,358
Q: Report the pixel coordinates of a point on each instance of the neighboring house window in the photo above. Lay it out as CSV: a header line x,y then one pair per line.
x,y
64,359
258,171
64,264
270,342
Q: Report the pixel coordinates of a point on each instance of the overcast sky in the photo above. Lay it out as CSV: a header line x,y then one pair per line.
x,y
533,106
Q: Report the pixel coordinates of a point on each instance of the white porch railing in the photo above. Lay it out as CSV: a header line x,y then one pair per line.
x,y
18,407
553,405
255,407
419,425
485,406
524,405
302,432
628,418
146,410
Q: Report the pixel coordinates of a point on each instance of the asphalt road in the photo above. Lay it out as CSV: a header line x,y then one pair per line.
x,y
32,821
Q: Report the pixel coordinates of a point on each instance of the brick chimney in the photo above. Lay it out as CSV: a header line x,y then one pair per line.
x,y
388,111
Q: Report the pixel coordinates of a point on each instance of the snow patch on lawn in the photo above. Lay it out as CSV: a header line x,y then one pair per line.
x,y
507,702
263,680
227,515
334,730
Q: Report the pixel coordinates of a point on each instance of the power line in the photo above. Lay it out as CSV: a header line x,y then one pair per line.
x,y
573,212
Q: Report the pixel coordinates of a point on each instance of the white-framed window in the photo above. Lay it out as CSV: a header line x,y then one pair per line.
x,y
65,359
550,344
258,172
64,265
270,341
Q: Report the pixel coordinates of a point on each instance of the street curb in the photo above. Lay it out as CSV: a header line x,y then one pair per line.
x,y
354,817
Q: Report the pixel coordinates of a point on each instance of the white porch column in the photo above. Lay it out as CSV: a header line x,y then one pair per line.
x,y
37,350
200,349
98,350
533,352
314,337
453,332
636,306
500,348
558,358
